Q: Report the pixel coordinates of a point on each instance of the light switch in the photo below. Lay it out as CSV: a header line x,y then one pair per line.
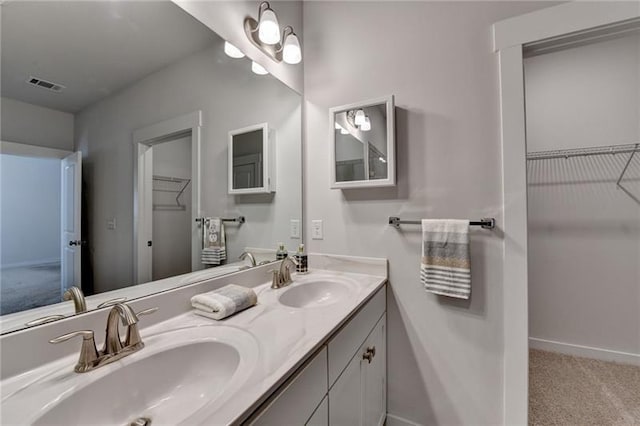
x,y
295,228
111,224
317,233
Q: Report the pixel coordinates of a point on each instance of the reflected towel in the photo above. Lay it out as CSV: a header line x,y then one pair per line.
x,y
214,251
446,263
223,302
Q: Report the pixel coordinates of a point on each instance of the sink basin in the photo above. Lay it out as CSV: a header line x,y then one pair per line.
x,y
314,294
176,375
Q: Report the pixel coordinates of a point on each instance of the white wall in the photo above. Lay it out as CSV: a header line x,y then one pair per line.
x,y
584,234
30,200
230,97
36,125
445,357
226,18
171,226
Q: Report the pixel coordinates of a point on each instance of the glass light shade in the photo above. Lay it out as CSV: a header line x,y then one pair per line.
x,y
232,51
258,69
337,126
366,125
268,27
291,52
343,131
382,160
359,119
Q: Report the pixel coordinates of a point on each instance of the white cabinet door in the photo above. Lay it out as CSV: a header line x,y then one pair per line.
x,y
321,415
345,397
375,376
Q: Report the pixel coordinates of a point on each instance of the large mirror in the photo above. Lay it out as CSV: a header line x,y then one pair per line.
x,y
363,144
114,156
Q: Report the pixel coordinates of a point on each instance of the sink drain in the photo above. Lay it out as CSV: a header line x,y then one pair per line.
x,y
141,421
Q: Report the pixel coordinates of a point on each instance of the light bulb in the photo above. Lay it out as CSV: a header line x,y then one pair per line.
x,y
232,51
382,160
268,27
337,126
291,52
359,120
258,69
344,131
366,125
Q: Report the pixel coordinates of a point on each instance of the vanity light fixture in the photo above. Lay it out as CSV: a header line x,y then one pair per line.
x,y
232,51
258,69
359,118
265,34
382,160
366,125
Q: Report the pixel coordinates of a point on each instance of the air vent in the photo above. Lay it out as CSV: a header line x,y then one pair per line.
x,y
44,84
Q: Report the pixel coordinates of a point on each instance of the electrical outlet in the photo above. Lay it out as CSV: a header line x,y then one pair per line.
x,y
295,228
111,224
317,233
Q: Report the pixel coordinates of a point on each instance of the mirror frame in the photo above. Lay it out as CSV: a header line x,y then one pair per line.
x,y
391,145
268,161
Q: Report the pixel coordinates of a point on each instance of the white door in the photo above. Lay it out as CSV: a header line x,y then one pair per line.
x,y
375,377
71,237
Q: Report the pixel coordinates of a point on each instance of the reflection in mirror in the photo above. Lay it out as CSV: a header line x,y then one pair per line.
x,y
363,144
114,156
251,160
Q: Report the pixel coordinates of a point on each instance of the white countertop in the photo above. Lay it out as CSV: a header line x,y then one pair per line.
x,y
284,338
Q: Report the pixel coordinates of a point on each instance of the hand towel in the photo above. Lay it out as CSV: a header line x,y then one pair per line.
x,y
214,250
446,263
223,302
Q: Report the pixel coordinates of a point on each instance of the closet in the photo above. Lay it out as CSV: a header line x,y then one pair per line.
x,y
583,176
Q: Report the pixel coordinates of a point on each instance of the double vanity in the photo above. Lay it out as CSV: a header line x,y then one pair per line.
x,y
312,352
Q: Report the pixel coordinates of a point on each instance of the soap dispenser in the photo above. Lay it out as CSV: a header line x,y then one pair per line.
x,y
282,252
301,256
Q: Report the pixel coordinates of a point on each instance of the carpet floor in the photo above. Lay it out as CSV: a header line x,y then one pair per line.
x,y
29,287
569,390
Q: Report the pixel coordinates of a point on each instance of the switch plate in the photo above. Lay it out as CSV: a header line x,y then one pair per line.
x,y
317,231
111,224
295,228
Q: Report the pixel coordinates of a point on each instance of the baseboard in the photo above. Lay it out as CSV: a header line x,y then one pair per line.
x,y
584,351
393,420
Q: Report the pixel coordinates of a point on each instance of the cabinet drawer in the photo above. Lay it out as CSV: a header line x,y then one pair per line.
x,y
343,346
295,402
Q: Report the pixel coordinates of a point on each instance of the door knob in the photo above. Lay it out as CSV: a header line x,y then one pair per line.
x,y
76,242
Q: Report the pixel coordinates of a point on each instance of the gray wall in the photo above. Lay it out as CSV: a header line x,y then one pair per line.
x,y
584,234
30,199
36,125
230,97
445,357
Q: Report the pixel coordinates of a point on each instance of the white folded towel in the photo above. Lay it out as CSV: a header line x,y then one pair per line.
x,y
223,302
446,262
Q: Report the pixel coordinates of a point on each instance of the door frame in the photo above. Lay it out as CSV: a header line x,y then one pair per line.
x,y
143,140
575,19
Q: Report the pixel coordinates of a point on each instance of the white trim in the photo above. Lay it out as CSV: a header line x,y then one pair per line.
x,y
143,141
26,150
561,20
393,420
389,102
585,351
267,160
509,37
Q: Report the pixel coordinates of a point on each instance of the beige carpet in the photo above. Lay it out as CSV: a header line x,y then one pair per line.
x,y
568,390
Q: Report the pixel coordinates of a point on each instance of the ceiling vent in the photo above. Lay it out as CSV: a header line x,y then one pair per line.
x,y
44,84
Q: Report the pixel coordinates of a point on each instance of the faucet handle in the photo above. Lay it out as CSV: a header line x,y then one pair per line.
x,y
133,334
111,302
147,311
275,282
44,320
88,351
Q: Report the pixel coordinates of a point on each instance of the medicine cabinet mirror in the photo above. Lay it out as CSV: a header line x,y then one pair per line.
x,y
363,144
251,160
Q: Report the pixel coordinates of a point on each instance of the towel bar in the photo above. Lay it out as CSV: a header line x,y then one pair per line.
x,y
239,219
486,222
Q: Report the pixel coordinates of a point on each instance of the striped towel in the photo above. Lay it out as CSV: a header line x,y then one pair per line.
x,y
446,264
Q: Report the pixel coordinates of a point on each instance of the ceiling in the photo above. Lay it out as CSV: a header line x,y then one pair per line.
x,y
93,48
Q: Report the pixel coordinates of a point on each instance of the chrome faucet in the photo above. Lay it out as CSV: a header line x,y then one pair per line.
x,y
75,294
246,254
114,348
282,275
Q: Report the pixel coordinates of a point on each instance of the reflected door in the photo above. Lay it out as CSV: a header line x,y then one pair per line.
x,y
71,239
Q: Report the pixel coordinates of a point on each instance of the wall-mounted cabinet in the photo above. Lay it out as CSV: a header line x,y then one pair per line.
x,y
252,160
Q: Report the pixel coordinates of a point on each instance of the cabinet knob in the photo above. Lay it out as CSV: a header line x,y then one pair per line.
x,y
371,350
367,356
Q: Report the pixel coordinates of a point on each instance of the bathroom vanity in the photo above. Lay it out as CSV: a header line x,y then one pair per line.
x,y
313,352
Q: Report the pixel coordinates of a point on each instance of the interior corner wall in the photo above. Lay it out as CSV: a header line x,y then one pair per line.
x,y
445,357
35,125
584,233
226,18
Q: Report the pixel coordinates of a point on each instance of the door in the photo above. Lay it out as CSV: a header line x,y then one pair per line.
x,y
71,239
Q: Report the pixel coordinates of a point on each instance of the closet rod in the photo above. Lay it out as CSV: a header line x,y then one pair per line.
x,y
584,152
486,223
